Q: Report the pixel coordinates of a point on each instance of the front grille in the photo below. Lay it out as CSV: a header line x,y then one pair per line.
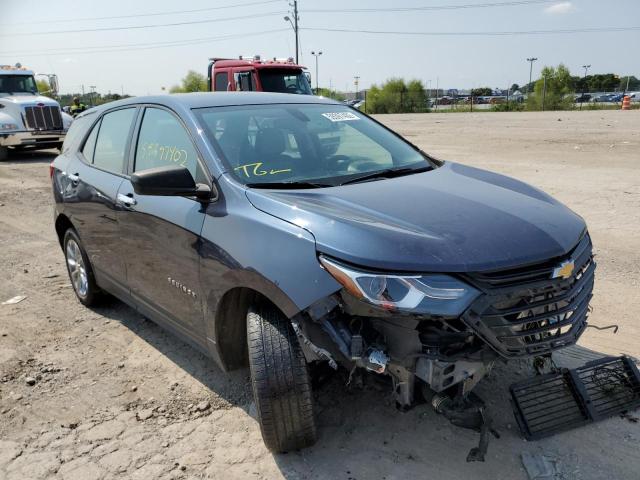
x,y
526,312
43,118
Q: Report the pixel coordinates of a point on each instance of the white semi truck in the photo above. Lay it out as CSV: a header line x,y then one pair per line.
x,y
28,119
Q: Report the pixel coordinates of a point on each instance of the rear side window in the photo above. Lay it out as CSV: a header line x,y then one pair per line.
x,y
222,80
76,131
163,141
90,144
112,140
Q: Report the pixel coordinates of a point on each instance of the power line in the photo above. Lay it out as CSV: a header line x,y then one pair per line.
x,y
478,34
144,44
138,46
138,27
428,8
155,14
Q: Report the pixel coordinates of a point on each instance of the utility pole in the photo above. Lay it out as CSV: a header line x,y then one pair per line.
x,y
317,54
584,83
356,79
294,25
531,60
295,21
544,90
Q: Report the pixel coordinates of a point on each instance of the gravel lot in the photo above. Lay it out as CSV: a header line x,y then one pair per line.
x,y
105,393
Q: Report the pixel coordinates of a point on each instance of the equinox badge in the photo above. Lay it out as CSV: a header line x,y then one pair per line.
x,y
181,287
564,270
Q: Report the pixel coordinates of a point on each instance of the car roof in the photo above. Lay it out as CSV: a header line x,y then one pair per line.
x,y
219,99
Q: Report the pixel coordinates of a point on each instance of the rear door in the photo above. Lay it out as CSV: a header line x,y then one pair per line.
x,y
161,234
94,177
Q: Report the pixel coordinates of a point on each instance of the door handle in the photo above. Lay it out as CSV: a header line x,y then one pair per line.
x,y
126,200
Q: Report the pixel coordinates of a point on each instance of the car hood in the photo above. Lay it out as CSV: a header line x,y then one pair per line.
x,y
451,219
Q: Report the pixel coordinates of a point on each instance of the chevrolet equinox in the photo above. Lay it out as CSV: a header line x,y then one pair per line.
x,y
281,231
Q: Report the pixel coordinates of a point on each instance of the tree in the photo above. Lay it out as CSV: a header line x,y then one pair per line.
x,y
192,82
395,96
634,83
554,88
481,92
514,88
416,96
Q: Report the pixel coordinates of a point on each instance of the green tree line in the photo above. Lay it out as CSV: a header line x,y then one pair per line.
x,y
397,96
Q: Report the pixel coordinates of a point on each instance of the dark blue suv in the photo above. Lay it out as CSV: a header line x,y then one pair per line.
x,y
281,230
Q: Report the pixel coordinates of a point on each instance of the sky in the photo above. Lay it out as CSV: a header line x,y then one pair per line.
x,y
449,53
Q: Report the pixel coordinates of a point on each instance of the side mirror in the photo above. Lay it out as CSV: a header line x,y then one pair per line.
x,y
168,181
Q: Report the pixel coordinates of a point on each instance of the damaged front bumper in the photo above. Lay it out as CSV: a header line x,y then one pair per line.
x,y
517,313
410,349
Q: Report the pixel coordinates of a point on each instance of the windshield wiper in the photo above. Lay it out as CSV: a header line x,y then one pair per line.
x,y
387,173
283,185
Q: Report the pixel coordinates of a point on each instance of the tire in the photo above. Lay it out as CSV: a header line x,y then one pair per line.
x,y
4,153
79,269
280,381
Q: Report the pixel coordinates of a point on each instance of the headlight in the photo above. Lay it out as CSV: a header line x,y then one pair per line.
x,y
8,126
435,294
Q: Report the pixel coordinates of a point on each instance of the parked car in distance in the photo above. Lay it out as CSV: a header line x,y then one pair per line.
x,y
278,231
584,97
607,97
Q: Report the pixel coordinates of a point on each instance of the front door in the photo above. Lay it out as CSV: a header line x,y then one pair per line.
x,y
161,234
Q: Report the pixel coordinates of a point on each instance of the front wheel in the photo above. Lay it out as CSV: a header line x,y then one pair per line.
x,y
280,381
79,269
4,153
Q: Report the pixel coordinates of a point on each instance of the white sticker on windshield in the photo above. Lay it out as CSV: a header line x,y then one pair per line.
x,y
341,116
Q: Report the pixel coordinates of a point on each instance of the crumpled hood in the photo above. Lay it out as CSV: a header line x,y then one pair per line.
x,y
452,219
28,99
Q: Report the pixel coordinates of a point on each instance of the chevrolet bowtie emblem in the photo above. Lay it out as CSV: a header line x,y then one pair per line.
x,y
564,270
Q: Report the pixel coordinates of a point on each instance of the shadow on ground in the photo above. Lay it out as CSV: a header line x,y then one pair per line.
x,y
30,156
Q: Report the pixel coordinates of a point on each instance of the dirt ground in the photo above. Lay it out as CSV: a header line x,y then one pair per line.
x,y
113,396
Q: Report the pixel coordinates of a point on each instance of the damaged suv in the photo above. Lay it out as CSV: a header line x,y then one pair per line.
x,y
281,230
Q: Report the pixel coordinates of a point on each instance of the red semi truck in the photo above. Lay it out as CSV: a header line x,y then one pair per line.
x,y
254,74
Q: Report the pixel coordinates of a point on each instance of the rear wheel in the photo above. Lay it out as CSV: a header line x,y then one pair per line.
x,y
280,380
79,269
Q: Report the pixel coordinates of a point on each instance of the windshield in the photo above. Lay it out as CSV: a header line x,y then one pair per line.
x,y
325,144
17,84
284,80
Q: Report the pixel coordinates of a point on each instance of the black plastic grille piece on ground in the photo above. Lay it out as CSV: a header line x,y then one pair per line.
x,y
555,402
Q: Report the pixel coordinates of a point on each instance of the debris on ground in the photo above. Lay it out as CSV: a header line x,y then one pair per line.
x,y
145,414
14,300
538,466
